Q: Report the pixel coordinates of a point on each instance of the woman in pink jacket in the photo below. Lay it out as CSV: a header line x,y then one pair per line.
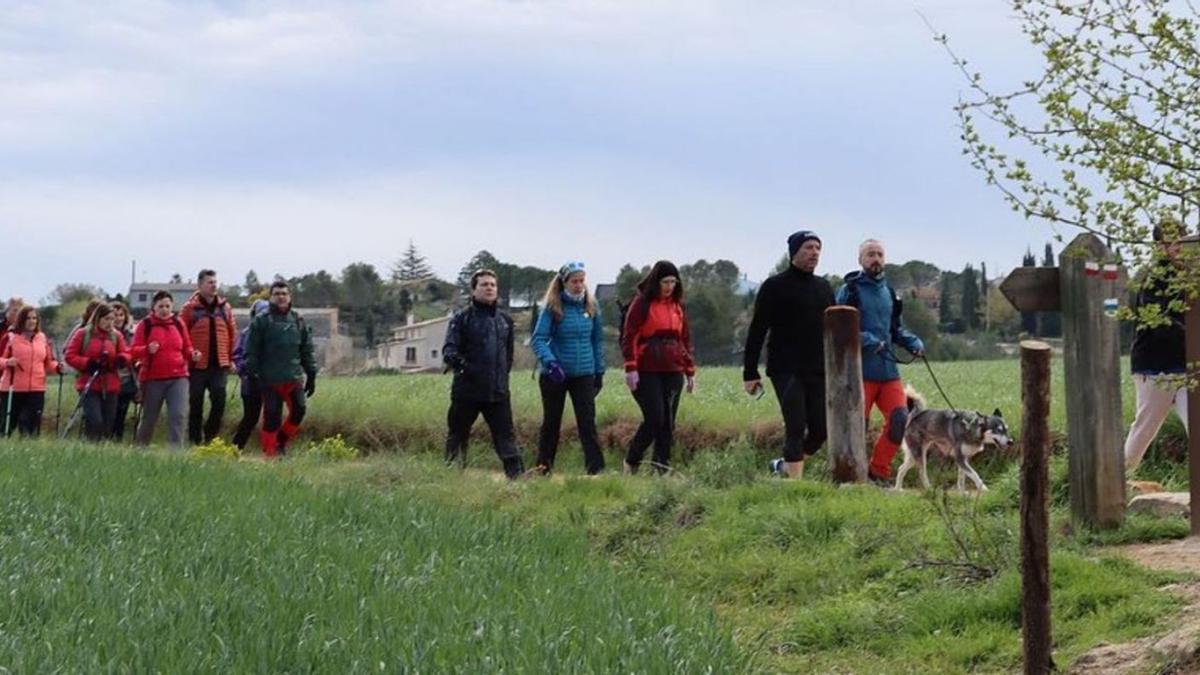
x,y
28,357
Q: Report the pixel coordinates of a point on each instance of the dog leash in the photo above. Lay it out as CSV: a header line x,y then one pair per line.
x,y
889,355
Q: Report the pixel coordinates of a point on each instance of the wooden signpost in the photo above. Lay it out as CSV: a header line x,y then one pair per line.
x,y
1191,328
1087,290
844,412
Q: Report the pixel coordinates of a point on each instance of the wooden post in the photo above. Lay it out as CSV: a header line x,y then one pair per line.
x,y
844,414
1091,355
1192,330
1035,514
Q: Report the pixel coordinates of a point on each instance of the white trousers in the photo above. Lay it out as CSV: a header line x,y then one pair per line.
x,y
1154,403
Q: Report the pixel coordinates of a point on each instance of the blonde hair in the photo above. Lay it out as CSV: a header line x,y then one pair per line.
x,y
553,299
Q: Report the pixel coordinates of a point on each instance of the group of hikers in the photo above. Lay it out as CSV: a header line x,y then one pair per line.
x,y
175,358
788,318
659,363
170,359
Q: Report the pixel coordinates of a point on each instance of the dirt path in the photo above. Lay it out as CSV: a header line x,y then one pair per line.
x,y
1177,652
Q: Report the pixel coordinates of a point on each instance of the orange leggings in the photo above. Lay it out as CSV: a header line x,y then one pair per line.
x,y
887,396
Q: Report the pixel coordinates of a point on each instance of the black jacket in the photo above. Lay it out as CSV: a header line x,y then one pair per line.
x,y
1160,349
479,349
791,307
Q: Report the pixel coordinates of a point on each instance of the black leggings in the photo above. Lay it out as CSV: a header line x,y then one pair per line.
x,y
583,400
26,414
251,409
802,402
657,394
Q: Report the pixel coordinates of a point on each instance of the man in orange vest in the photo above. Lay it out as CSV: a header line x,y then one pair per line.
x,y
210,323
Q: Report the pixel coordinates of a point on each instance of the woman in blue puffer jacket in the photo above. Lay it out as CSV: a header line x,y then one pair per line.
x,y
568,342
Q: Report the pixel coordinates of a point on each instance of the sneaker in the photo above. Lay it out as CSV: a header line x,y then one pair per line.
x,y
541,470
777,467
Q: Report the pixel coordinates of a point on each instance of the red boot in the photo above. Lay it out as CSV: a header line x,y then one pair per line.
x,y
270,443
286,434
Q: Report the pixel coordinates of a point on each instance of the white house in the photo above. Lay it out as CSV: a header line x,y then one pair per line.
x,y
141,295
332,349
414,347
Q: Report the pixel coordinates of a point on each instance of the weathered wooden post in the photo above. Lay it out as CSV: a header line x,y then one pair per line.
x,y
1191,329
1092,365
1035,515
844,414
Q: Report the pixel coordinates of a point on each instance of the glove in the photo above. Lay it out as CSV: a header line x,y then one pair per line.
x,y
598,379
122,360
93,365
631,380
555,372
310,384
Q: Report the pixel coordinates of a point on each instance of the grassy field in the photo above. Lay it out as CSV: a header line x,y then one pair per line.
x,y
120,560
406,413
128,562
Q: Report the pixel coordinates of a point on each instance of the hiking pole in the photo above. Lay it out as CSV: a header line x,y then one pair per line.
x,y
78,406
58,407
12,384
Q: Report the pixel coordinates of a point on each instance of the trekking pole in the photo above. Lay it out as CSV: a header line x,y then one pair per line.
x,y
58,407
78,406
12,384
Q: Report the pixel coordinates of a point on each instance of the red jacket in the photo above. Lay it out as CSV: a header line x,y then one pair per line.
x,y
35,359
203,321
100,345
656,338
174,348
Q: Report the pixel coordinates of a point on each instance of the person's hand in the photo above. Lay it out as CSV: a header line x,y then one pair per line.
x,y
555,372
691,383
12,362
122,360
631,380
310,385
59,369
752,386
196,355
598,381
152,348
920,353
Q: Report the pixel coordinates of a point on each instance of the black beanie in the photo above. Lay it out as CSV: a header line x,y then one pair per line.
x,y
797,240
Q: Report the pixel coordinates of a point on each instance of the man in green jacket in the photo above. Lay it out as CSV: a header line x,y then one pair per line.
x,y
279,360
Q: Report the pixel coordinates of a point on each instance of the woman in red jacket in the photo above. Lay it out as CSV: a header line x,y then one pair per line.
x,y
657,347
97,351
28,357
162,346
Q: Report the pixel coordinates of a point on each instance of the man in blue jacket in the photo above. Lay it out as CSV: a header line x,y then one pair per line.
x,y
879,322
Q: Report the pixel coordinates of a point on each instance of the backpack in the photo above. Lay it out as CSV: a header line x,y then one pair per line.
x,y
87,337
854,301
146,326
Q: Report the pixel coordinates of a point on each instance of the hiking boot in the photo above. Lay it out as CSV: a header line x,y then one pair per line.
x,y
629,469
541,470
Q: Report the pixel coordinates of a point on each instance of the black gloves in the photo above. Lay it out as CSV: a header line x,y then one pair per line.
x,y
310,384
599,381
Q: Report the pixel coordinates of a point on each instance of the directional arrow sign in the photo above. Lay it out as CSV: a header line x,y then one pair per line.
x,y
1033,289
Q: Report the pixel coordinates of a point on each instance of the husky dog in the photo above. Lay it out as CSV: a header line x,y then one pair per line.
x,y
957,434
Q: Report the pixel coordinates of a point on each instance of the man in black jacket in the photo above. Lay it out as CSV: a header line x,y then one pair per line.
x,y
479,348
1158,357
790,306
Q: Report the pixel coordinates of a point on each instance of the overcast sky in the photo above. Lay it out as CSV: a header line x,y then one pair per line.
x,y
292,136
